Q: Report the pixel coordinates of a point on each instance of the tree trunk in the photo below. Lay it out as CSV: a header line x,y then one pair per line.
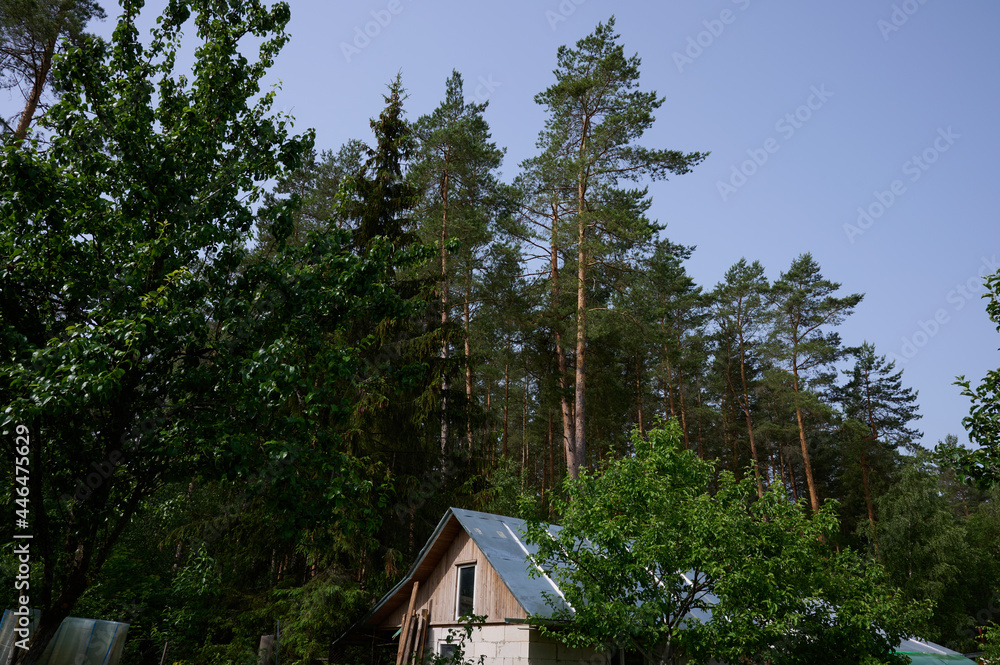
x,y
524,431
701,440
745,405
35,96
867,488
569,439
444,311
680,394
506,398
579,408
579,393
669,379
638,396
468,367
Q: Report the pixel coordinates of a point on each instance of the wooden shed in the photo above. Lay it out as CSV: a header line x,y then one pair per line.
x,y
474,563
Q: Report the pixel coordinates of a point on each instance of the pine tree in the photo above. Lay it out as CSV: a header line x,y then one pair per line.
x,y
455,166
32,32
741,311
596,116
804,345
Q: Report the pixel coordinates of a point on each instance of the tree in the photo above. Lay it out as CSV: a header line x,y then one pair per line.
x,y
924,549
139,336
596,116
32,32
874,396
321,187
742,312
456,167
679,309
805,309
648,561
983,422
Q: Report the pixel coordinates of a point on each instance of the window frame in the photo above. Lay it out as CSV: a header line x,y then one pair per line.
x,y
458,588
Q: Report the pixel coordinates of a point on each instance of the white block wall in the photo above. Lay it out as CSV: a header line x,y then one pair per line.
x,y
517,645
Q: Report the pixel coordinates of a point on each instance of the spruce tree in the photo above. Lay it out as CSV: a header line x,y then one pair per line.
x,y
875,397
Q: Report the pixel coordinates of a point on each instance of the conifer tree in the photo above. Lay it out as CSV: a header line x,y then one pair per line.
x,y
742,313
32,32
804,344
874,396
455,167
596,116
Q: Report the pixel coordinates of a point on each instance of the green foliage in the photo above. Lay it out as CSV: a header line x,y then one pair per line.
x,y
32,34
139,334
645,554
922,547
991,644
981,466
313,615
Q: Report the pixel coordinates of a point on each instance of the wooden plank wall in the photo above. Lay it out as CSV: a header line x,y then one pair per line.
x,y
492,596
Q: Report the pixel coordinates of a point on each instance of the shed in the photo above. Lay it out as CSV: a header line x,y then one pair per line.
x,y
475,563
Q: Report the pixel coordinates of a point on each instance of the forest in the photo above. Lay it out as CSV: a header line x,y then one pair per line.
x,y
249,374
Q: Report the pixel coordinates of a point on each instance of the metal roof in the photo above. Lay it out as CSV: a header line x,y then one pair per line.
x,y
501,540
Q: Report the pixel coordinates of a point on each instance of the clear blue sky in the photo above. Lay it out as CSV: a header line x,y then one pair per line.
x,y
810,110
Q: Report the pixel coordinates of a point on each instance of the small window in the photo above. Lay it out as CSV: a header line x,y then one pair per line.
x,y
449,651
466,591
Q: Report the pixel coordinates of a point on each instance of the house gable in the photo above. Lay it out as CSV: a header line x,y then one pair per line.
x,y
437,591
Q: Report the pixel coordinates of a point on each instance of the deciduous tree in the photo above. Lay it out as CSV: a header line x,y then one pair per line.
x,y
647,560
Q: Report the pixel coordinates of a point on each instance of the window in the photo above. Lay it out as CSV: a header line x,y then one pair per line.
x,y
446,650
466,592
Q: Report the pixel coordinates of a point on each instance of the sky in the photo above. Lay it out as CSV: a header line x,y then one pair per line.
x,y
862,131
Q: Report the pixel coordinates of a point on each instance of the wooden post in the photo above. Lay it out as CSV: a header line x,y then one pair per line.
x,y
425,621
418,637
405,626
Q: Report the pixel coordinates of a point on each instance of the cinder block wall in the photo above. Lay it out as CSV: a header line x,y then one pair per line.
x,y
517,645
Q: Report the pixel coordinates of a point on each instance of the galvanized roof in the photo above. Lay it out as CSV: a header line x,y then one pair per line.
x,y
501,540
